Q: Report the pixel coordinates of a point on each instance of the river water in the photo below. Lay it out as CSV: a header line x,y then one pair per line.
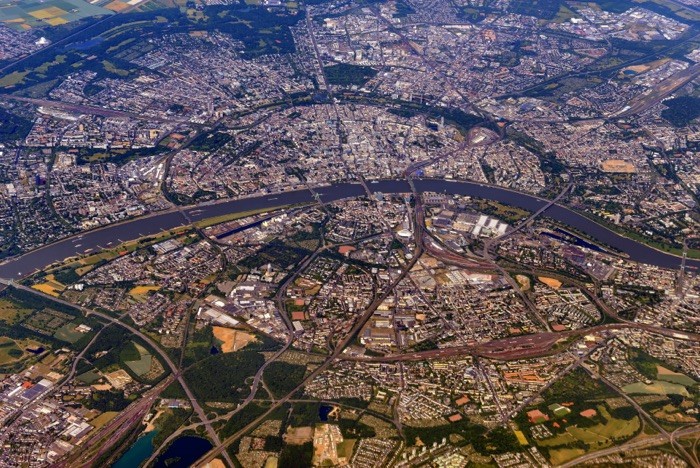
x,y
150,225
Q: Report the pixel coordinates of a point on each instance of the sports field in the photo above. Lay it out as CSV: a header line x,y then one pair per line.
x,y
68,333
142,365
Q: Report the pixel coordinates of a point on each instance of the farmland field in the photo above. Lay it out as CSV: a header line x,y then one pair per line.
x,y
47,321
657,387
674,377
103,419
11,312
141,293
27,14
563,455
9,351
604,434
14,350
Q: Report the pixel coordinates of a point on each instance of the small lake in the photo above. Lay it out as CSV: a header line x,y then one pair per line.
x,y
323,412
86,44
138,453
183,452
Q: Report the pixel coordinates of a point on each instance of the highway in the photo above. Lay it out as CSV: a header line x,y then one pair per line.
x,y
58,385
164,356
488,255
651,441
494,240
103,440
344,343
680,450
337,351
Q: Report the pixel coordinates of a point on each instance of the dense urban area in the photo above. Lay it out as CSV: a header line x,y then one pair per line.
x,y
353,233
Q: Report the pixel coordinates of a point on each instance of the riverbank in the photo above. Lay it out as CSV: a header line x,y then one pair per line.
x,y
92,241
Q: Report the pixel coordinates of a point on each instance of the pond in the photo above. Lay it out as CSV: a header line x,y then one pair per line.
x,y
138,452
323,412
86,44
183,452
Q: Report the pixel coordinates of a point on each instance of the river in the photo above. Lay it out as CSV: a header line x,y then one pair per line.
x,y
112,235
